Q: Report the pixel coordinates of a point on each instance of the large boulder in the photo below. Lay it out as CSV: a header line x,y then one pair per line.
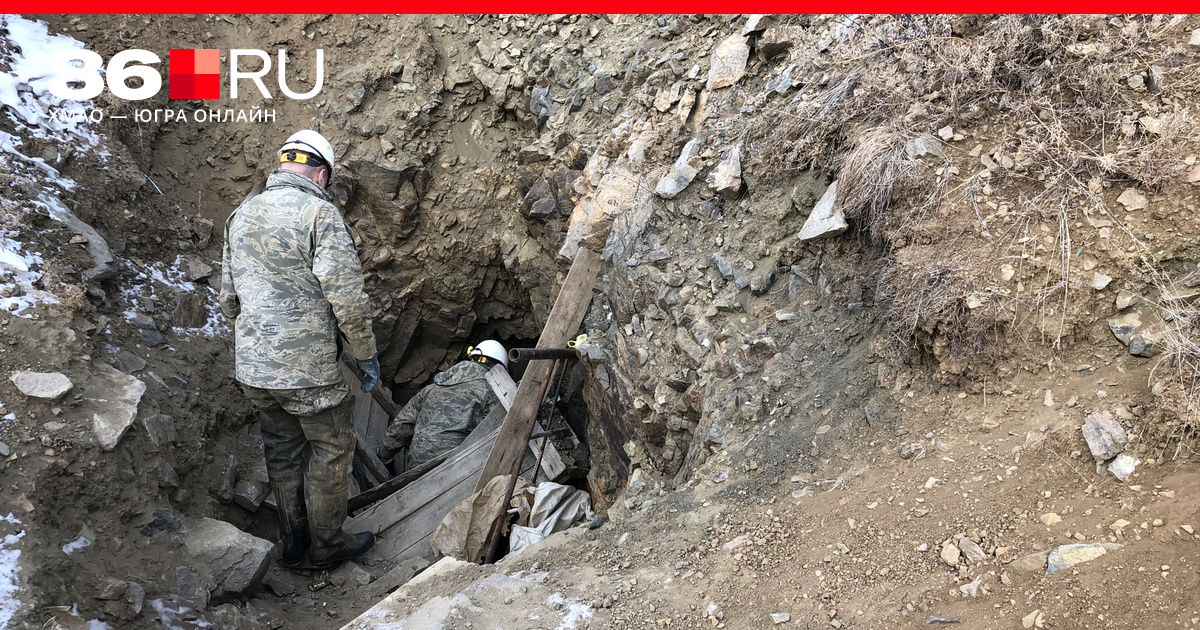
x,y
234,560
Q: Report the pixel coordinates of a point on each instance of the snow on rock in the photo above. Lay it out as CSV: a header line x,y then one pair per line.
x,y
98,247
26,47
159,282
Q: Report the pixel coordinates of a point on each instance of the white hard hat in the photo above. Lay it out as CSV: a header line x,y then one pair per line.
x,y
490,349
311,143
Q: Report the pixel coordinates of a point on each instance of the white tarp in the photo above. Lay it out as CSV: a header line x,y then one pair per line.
x,y
546,509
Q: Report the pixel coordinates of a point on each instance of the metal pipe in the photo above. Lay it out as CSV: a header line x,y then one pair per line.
x,y
539,354
502,518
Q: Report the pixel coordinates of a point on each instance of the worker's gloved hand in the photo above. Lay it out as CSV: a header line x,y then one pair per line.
x,y
370,370
385,454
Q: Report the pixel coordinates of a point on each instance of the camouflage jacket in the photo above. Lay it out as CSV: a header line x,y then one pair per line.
x,y
443,414
290,279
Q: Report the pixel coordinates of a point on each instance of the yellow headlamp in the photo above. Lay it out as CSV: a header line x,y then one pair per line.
x,y
300,157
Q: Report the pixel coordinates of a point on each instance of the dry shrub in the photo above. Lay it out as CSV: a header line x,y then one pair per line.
x,y
871,174
1179,364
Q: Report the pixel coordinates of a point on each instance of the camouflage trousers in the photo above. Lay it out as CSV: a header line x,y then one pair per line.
x,y
308,440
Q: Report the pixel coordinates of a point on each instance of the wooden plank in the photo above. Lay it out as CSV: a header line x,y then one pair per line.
x,y
370,460
457,466
502,385
428,488
418,527
564,321
376,428
424,520
506,390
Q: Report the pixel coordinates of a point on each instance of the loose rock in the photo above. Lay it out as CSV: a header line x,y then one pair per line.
x,y
728,63
971,550
726,179
1123,466
114,413
1132,199
950,554
1148,341
1067,556
1032,563
1124,326
1105,436
42,385
826,219
681,174
235,560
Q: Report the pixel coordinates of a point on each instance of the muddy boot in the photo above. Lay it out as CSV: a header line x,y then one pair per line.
x,y
293,523
286,451
327,486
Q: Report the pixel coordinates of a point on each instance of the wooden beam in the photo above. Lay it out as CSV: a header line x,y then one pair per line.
x,y
564,321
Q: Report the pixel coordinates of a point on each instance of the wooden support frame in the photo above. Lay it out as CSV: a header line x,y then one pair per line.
x,y
506,390
565,318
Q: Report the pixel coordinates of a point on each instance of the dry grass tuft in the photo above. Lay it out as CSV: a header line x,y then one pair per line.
x,y
878,167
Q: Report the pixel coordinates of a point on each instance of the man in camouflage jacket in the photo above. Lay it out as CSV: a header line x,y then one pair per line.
x,y
444,413
290,281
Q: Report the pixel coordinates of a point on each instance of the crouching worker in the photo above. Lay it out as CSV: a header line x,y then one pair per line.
x,y
290,281
443,414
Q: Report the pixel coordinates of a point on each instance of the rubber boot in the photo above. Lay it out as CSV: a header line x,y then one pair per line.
x,y
331,436
286,452
293,523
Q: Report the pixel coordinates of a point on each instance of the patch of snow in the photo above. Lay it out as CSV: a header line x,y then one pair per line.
x,y
96,624
25,51
24,89
577,611
9,416
16,273
76,545
9,568
157,277
168,616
